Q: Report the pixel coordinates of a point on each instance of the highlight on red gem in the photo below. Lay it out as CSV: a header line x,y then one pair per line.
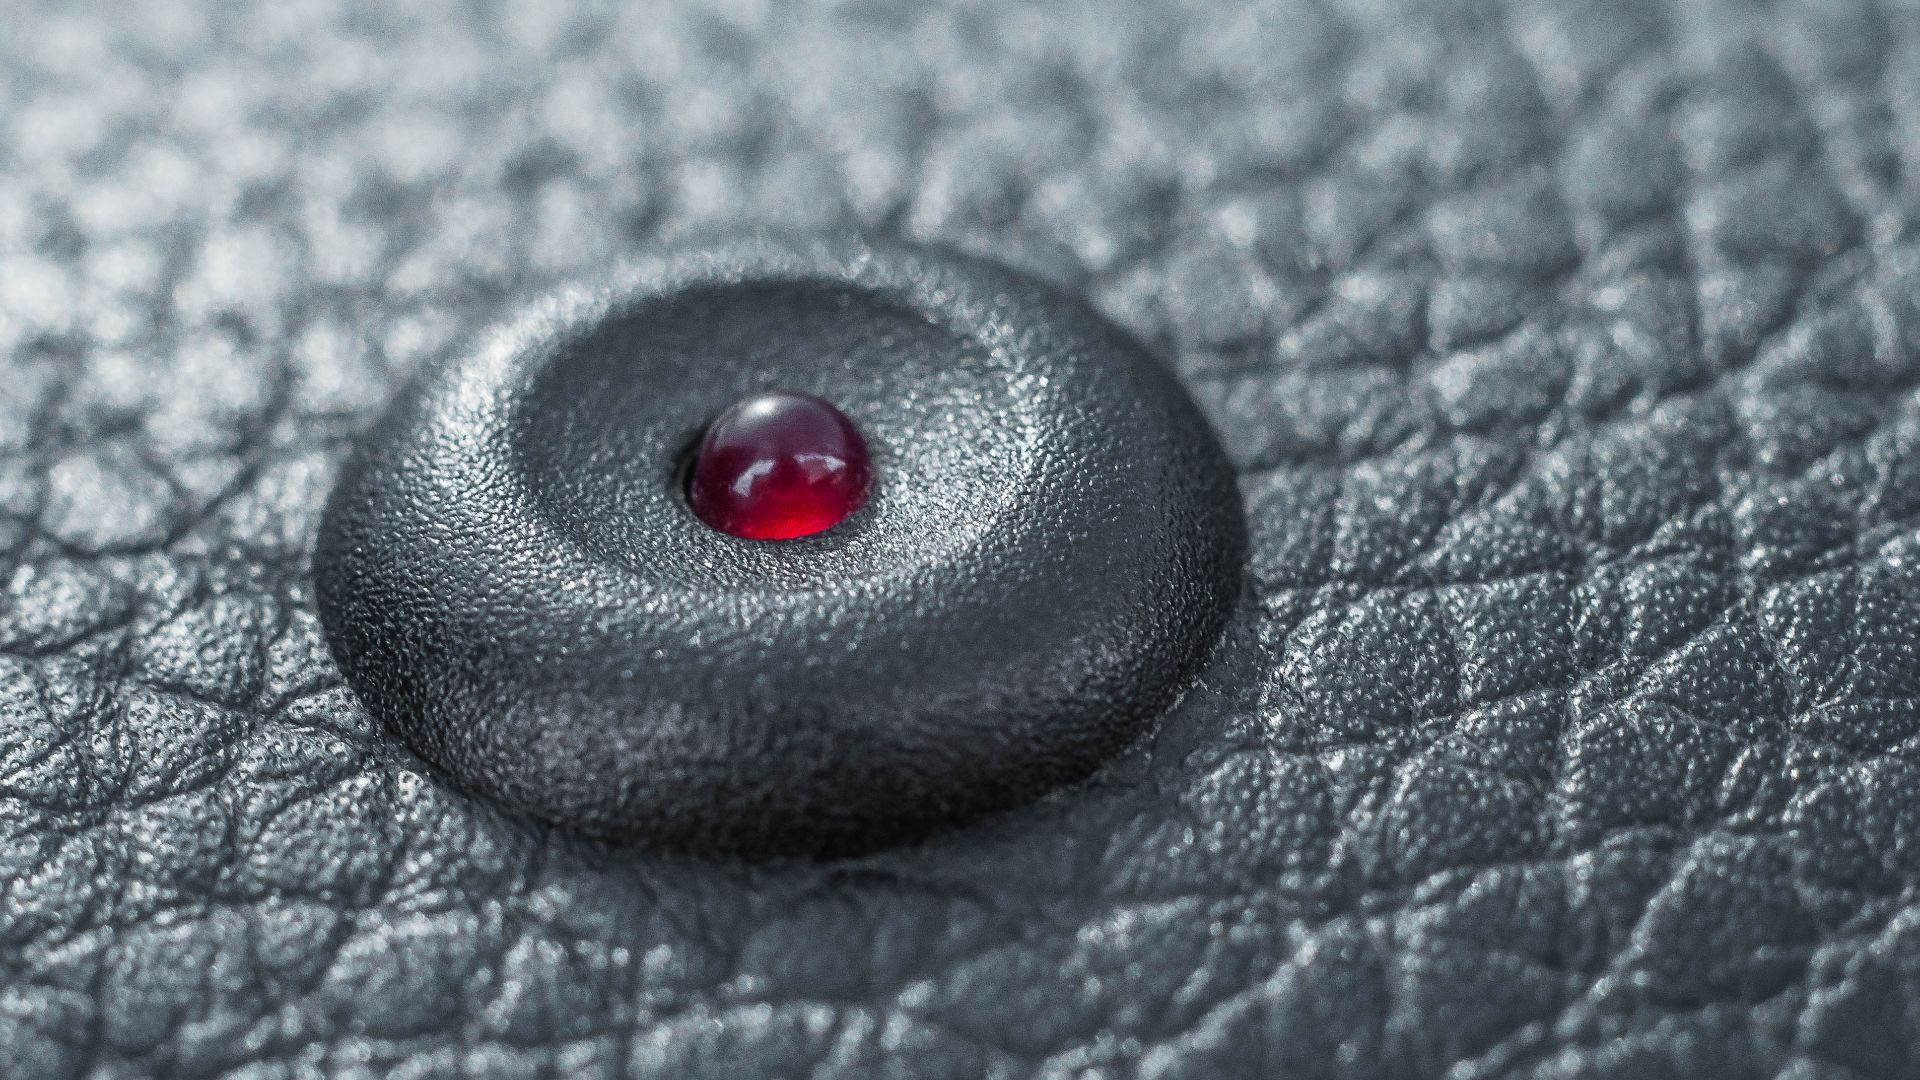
x,y
779,466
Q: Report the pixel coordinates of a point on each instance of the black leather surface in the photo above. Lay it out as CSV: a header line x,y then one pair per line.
x,y
1568,353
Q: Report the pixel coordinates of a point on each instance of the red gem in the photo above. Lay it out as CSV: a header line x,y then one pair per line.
x,y
779,466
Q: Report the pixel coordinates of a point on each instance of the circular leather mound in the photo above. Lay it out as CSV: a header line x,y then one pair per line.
x,y
511,578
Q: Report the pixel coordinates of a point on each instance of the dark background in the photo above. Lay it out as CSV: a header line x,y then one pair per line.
x,y
1568,353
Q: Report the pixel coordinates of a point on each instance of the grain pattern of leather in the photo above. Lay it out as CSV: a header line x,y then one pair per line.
x,y
1567,354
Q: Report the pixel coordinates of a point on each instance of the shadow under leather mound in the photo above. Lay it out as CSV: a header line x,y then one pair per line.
x,y
511,578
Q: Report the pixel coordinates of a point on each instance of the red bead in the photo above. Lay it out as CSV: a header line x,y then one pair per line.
x,y
779,466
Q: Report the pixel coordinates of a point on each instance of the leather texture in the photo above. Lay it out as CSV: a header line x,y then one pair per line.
x,y
1567,353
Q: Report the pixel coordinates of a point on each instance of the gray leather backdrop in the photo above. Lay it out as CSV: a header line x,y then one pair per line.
x,y
1568,353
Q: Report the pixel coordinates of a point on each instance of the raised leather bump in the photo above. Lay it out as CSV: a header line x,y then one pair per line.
x,y
511,578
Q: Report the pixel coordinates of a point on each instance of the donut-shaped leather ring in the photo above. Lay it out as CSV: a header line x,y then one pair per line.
x,y
513,578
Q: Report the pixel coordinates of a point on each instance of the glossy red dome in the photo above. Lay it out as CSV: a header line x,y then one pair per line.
x,y
779,466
